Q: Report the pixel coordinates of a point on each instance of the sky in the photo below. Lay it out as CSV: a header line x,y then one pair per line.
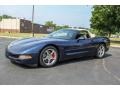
x,y
72,15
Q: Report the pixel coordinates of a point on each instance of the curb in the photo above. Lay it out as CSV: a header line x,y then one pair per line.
x,y
10,37
116,46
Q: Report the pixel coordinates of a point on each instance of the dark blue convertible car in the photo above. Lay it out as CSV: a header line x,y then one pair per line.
x,y
57,46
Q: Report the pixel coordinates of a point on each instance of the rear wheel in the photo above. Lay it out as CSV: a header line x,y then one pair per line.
x,y
100,51
48,56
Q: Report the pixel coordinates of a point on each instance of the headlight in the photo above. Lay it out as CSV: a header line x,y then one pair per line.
x,y
25,57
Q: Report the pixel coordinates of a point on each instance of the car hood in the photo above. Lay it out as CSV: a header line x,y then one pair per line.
x,y
27,42
32,41
22,45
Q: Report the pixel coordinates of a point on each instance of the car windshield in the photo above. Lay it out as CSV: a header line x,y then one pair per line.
x,y
63,34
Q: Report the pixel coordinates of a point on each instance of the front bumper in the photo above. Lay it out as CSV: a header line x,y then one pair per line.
x,y
14,58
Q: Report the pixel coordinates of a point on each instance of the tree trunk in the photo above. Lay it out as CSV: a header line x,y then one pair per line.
x,y
109,34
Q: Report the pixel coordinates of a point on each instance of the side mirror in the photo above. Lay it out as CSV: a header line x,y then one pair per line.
x,y
80,38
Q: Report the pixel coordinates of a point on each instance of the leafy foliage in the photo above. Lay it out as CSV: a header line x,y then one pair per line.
x,y
55,26
61,27
50,24
5,17
106,19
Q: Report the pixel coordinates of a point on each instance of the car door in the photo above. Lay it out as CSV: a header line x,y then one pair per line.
x,y
79,47
85,47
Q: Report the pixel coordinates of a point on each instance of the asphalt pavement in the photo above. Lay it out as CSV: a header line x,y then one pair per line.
x,y
83,71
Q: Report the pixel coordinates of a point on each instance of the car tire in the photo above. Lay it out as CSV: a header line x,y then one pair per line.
x,y
48,56
100,51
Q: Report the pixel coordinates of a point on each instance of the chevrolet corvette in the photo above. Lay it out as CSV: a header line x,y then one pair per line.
x,y
60,45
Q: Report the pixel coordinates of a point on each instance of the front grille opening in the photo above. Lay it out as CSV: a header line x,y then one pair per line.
x,y
13,55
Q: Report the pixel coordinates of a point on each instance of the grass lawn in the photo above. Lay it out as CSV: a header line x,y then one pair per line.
x,y
115,41
114,44
22,35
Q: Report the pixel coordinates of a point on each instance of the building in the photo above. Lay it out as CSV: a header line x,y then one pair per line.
x,y
21,26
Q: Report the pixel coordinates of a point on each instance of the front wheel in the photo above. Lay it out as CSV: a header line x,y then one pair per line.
x,y
48,56
100,51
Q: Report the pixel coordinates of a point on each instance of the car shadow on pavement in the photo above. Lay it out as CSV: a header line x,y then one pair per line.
x,y
24,66
107,55
82,59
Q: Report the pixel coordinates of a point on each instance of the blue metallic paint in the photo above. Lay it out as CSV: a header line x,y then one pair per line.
x,y
67,48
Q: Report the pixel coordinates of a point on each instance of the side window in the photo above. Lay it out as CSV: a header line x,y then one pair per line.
x,y
85,33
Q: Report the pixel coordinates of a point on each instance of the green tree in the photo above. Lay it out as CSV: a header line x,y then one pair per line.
x,y
106,19
58,27
61,27
5,17
0,18
50,24
55,26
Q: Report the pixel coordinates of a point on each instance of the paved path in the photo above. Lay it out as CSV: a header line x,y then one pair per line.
x,y
81,71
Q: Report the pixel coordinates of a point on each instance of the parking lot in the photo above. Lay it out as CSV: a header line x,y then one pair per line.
x,y
86,70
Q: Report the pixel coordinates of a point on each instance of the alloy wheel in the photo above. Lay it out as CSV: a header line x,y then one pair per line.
x,y
101,51
48,56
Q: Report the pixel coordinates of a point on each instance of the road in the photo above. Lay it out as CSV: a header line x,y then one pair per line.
x,y
83,71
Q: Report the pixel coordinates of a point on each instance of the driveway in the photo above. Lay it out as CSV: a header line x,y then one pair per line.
x,y
86,70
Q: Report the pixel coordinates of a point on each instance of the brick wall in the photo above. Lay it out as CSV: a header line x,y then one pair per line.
x,y
21,26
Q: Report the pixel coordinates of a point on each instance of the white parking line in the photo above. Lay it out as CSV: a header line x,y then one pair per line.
x,y
108,71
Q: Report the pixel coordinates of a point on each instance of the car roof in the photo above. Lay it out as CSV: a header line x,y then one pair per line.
x,y
78,30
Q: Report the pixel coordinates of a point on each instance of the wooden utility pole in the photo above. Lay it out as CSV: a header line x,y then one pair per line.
x,y
33,21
